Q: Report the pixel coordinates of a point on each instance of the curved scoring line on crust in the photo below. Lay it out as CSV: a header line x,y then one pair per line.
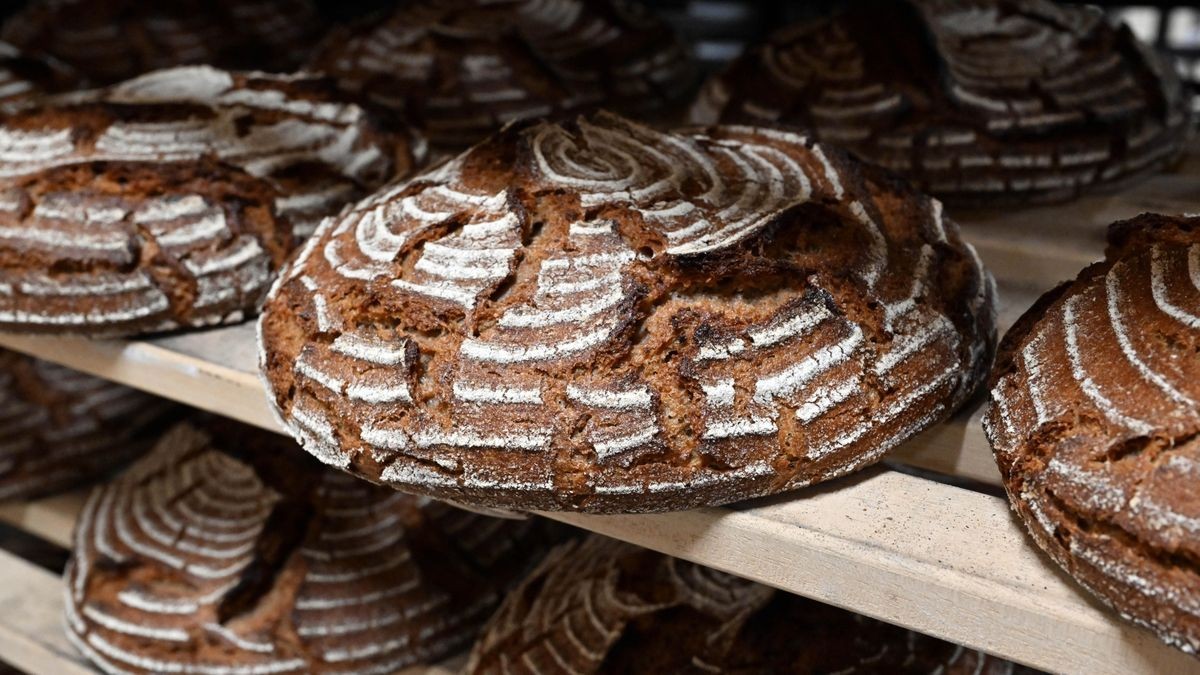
x,y
1095,460
584,285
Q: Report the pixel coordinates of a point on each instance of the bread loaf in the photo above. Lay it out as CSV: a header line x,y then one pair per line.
x,y
597,316
218,553
462,68
978,102
60,429
1095,422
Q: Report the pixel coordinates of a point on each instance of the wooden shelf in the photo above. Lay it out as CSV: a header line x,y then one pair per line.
x,y
940,559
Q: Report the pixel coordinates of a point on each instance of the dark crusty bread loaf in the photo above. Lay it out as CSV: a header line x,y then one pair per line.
x,y
603,606
462,68
598,316
1095,422
24,79
296,130
976,101
110,40
220,553
118,248
60,429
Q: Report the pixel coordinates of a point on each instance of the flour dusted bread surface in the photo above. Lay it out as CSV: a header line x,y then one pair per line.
x,y
60,428
116,248
977,101
218,553
603,606
297,131
1095,422
463,68
597,316
111,40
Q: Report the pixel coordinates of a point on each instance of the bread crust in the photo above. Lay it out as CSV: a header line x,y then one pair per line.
x,y
461,69
981,103
604,606
741,312
60,429
226,550
1096,427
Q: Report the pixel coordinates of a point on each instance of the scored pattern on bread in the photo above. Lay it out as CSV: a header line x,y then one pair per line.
x,y
320,151
111,40
462,69
603,606
196,560
974,101
1095,422
604,317
110,249
60,428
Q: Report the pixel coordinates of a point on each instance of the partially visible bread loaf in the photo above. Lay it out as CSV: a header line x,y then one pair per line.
x,y
603,606
110,40
1095,422
218,553
319,150
60,429
462,68
117,248
978,101
598,316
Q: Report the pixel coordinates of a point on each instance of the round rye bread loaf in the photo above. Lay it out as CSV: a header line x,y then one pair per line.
x,y
603,606
118,248
1095,423
219,552
597,316
296,131
60,429
460,69
110,40
975,101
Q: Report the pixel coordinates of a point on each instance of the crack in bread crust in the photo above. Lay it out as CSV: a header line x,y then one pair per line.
x,y
598,316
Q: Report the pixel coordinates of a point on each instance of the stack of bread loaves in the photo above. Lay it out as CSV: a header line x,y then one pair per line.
x,y
477,283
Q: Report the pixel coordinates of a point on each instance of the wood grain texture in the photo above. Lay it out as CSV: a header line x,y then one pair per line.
x,y
31,635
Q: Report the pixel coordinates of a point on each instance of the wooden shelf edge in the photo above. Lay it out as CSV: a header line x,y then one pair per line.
x,y
32,637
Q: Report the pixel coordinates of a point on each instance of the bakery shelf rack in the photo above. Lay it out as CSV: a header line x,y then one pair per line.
x,y
926,541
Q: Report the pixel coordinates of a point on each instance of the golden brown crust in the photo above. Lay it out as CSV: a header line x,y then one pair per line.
x,y
597,316
1095,422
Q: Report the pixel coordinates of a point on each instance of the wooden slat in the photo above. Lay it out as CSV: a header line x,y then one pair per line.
x,y
31,632
939,559
51,518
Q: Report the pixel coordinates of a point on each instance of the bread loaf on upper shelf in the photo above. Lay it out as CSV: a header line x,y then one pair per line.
x,y
460,69
121,248
111,40
318,149
1095,422
60,429
601,317
975,101
227,550
604,606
